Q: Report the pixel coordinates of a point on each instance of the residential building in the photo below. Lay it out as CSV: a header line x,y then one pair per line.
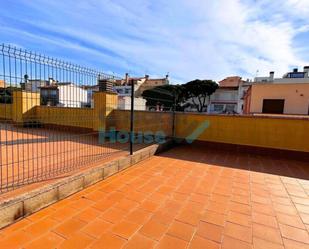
x,y
151,83
141,84
124,89
90,90
124,103
278,98
291,77
286,95
64,95
36,84
2,84
228,97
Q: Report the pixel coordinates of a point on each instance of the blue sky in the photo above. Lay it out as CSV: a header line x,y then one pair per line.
x,y
188,38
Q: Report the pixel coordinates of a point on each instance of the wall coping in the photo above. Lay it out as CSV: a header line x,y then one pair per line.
x,y
255,115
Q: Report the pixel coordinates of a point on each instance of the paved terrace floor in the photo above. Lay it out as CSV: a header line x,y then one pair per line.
x,y
30,155
188,197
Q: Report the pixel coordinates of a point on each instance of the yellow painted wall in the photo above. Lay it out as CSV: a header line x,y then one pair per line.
x,y
66,116
26,107
144,121
278,133
270,132
5,111
104,104
296,97
23,105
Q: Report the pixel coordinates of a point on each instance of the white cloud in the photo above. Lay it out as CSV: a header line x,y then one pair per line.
x,y
189,39
300,7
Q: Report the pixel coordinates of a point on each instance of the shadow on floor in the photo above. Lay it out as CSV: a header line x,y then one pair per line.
x,y
270,164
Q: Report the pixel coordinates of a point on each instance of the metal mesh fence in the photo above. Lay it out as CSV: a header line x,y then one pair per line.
x,y
48,124
57,117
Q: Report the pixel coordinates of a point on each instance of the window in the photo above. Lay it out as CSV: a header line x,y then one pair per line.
x,y
230,108
274,106
218,108
297,75
53,93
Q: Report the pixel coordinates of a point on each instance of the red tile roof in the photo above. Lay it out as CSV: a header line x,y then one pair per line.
x,y
232,81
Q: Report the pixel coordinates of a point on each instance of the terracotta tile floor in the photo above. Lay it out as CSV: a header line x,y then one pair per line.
x,y
188,197
29,155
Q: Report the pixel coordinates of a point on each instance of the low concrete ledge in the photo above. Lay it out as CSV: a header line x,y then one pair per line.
x,y
14,209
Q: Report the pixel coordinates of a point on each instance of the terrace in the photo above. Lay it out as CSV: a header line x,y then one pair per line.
x,y
243,183
188,197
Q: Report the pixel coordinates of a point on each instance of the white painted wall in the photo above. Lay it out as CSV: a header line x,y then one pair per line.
x,y
72,96
124,103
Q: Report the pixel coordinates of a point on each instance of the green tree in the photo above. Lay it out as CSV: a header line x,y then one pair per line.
x,y
198,91
169,96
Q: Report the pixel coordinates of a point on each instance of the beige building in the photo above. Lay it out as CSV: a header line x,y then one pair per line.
x,y
141,84
2,84
284,98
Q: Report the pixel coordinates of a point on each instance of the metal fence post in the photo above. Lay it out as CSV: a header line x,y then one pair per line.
x,y
174,117
132,118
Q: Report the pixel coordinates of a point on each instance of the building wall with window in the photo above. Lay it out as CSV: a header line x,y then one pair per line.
x,y
64,95
224,100
295,97
71,95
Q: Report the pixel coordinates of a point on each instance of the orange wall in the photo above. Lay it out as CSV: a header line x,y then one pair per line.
x,y
296,97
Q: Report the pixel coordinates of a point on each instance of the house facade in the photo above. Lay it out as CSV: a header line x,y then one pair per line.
x,y
228,97
286,95
141,84
284,98
124,103
35,85
64,95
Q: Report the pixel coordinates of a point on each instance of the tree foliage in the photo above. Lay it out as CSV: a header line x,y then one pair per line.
x,y
169,96
175,96
6,95
198,91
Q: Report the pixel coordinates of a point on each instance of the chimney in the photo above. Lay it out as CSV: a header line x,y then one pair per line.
x,y
126,80
271,75
50,81
306,71
105,85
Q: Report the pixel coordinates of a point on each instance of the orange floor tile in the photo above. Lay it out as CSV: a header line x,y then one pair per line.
x,y
189,197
